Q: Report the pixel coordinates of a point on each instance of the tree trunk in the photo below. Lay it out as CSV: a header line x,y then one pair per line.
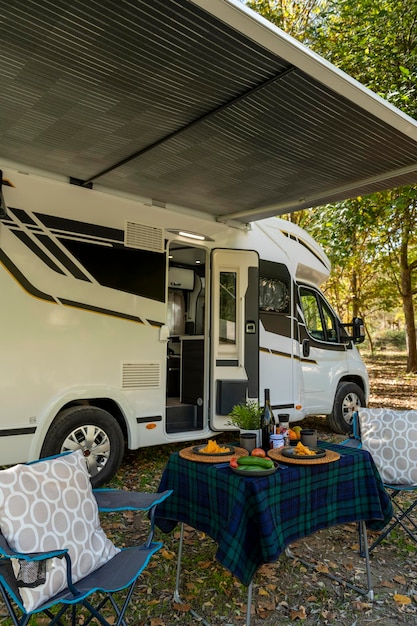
x,y
408,308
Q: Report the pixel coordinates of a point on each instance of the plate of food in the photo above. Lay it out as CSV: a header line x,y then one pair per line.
x,y
212,448
247,470
301,451
253,466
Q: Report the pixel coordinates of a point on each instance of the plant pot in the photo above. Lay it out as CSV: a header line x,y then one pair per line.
x,y
258,434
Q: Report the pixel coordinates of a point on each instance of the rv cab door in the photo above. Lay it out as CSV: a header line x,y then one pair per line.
x,y
234,354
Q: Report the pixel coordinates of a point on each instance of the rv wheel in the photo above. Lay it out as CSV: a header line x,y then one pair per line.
x,y
349,398
95,432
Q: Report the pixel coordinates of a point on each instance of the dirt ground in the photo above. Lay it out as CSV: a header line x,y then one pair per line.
x,y
288,592
285,592
394,562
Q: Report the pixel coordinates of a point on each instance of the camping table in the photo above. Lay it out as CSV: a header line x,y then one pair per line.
x,y
253,520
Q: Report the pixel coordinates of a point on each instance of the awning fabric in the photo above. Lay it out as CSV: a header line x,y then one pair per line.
x,y
201,104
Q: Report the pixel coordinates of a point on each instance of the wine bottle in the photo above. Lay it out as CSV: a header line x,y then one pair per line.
x,y
267,421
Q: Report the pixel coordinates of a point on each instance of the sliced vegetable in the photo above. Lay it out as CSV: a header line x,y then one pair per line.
x,y
233,462
255,461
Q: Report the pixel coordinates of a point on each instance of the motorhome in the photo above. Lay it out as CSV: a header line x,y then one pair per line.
x,y
131,324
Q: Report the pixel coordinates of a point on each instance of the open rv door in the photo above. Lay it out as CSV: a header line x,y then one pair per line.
x,y
234,356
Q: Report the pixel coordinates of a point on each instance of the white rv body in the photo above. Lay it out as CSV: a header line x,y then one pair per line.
x,y
105,305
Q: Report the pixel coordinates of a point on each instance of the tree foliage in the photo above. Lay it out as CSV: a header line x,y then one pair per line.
x,y
371,241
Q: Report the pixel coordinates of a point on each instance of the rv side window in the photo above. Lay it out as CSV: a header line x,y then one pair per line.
x,y
140,272
319,319
274,295
227,308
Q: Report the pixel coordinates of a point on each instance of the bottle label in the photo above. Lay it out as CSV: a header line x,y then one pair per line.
x,y
276,441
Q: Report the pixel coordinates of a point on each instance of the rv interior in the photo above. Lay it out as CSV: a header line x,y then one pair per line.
x,y
186,345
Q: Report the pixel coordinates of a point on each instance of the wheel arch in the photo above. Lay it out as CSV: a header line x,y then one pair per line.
x,y
352,378
107,404
55,409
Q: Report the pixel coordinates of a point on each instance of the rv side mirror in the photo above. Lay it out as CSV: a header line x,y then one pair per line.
x,y
358,330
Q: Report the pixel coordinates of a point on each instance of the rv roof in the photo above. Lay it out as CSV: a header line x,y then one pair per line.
x,y
196,103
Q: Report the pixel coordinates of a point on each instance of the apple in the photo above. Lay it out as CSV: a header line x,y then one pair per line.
x,y
258,452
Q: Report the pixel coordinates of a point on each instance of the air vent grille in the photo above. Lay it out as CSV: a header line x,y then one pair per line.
x,y
141,376
144,237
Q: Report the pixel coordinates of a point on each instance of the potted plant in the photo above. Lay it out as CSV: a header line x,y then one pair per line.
x,y
247,417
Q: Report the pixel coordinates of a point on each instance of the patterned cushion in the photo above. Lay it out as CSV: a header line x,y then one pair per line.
x,y
50,505
391,437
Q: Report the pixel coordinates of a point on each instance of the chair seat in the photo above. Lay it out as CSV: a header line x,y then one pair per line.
x,y
117,574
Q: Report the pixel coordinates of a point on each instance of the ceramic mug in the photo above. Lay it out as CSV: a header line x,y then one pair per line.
x,y
247,441
309,437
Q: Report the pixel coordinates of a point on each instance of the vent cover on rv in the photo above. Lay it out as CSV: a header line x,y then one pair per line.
x,y
141,376
144,237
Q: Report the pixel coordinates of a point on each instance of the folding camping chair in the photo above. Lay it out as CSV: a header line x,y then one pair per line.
x,y
53,552
391,438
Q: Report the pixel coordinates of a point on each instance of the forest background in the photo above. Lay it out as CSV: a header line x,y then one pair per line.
x,y
371,241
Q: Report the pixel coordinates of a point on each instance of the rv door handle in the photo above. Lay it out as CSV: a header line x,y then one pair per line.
x,y
250,328
306,347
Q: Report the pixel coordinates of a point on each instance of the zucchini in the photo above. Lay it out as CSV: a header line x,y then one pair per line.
x,y
255,461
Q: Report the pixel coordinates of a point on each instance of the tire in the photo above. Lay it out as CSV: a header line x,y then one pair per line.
x,y
349,398
95,432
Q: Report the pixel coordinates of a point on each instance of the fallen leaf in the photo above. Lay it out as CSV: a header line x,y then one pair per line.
x,y
262,592
323,569
400,599
180,606
387,583
167,554
298,614
400,579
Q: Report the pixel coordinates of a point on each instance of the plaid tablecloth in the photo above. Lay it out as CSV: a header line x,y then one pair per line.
x,y
254,519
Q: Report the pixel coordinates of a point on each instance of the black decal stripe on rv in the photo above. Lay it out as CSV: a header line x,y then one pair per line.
x,y
22,280
155,323
86,238
62,257
22,216
95,309
146,420
80,228
226,362
286,355
279,407
24,238
10,432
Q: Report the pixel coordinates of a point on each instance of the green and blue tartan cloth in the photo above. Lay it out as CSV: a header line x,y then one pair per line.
x,y
253,519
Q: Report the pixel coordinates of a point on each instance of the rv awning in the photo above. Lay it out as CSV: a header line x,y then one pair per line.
x,y
196,103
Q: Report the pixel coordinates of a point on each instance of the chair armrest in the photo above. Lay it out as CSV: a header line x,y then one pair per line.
x,y
7,552
118,500
111,500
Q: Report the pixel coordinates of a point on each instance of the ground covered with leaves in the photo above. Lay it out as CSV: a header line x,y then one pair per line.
x,y
285,592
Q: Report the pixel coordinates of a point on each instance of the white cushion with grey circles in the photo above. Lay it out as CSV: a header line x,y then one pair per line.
x,y
50,505
391,437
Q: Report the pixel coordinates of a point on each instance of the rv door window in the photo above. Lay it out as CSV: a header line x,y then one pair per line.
x,y
320,321
227,334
